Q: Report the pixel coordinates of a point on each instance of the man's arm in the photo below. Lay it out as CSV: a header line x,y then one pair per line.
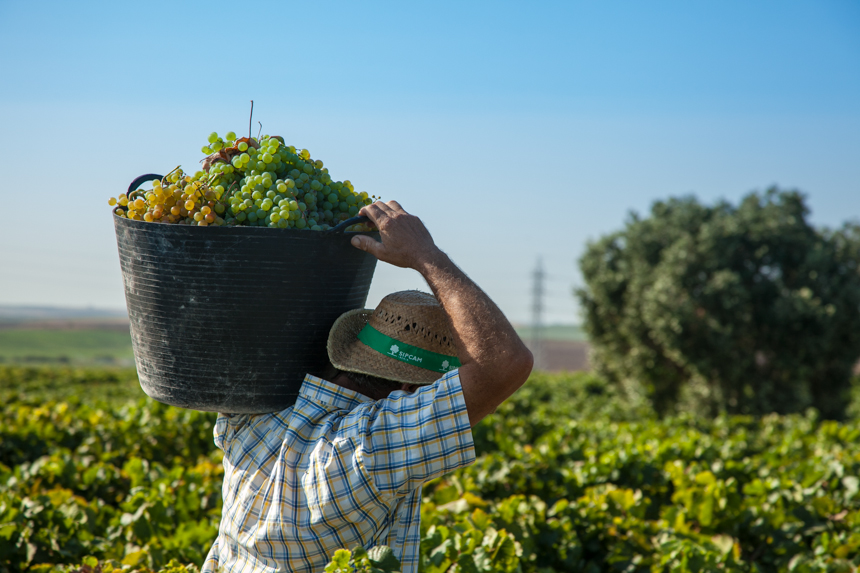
x,y
495,362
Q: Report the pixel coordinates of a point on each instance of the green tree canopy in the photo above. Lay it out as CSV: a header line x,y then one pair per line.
x,y
746,309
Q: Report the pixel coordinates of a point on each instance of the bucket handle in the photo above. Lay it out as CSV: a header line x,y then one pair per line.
x,y
138,181
141,180
349,222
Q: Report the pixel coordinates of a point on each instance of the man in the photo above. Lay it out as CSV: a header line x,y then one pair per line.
x,y
344,466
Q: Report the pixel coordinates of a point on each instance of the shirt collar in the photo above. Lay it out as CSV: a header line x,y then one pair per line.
x,y
328,393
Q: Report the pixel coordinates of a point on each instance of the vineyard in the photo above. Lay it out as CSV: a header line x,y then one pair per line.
x,y
569,477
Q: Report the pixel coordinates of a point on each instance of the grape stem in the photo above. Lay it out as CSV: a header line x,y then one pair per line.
x,y
259,131
250,122
169,173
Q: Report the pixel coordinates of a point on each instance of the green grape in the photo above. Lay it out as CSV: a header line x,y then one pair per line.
x,y
206,150
260,213
302,206
213,137
301,224
267,157
252,216
308,168
353,211
294,205
282,187
327,205
230,136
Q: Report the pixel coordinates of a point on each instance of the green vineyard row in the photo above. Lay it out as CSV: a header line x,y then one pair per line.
x,y
569,477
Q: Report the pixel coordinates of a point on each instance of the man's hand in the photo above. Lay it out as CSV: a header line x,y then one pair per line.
x,y
405,240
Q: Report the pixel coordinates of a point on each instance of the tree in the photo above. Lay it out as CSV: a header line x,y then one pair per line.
x,y
746,309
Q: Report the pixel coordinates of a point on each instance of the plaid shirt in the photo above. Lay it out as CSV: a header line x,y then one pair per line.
x,y
335,470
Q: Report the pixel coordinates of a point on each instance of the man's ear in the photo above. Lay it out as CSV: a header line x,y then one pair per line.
x,y
409,387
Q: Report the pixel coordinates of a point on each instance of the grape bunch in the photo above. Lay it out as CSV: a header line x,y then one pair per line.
x,y
244,181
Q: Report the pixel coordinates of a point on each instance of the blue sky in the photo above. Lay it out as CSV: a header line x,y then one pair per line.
x,y
515,130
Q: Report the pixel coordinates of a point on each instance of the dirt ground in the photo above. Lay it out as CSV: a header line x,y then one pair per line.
x,y
558,355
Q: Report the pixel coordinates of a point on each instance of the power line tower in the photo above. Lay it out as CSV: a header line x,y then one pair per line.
x,y
538,277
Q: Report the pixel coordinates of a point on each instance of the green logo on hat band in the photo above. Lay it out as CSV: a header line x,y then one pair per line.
x,y
407,353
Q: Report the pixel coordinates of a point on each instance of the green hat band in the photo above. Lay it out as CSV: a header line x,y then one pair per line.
x,y
407,353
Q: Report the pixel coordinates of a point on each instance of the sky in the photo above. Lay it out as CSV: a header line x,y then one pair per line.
x,y
517,131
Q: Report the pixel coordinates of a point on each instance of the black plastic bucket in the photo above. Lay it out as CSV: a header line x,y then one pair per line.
x,y
230,319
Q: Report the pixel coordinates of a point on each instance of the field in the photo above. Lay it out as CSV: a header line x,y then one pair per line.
x,y
100,342
83,337
51,344
569,477
96,341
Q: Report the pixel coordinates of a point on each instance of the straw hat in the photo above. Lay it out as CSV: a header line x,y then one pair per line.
x,y
405,339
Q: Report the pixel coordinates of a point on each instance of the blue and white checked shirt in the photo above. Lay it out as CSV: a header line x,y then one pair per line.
x,y
335,470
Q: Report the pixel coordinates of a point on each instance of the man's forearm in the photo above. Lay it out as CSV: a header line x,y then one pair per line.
x,y
495,362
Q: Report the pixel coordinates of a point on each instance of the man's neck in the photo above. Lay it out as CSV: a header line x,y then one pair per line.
x,y
344,381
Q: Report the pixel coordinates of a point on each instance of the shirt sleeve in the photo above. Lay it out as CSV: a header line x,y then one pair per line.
x,y
220,431
408,439
225,428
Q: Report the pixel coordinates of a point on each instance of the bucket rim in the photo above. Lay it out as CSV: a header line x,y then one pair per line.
x,y
233,229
